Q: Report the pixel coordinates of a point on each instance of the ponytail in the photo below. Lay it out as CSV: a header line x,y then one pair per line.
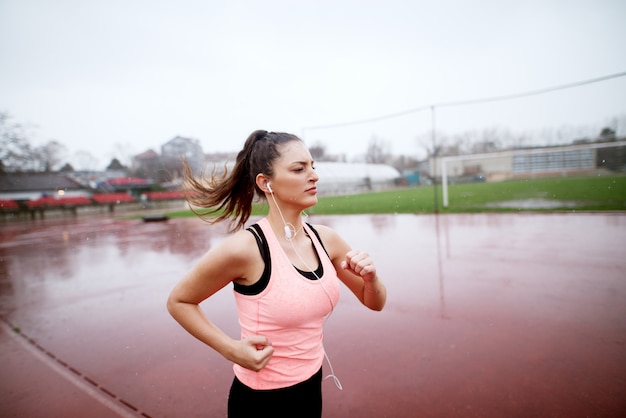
x,y
231,194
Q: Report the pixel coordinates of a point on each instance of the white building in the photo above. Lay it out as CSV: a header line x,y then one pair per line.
x,y
343,178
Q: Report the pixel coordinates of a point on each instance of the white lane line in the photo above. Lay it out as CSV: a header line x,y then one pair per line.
x,y
84,384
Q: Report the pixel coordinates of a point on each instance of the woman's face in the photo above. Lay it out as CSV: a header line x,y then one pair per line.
x,y
294,180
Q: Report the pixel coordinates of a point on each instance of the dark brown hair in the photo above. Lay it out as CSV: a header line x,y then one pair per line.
x,y
231,194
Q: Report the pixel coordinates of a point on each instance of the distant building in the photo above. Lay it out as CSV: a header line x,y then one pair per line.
x,y
180,147
32,186
345,178
532,162
147,164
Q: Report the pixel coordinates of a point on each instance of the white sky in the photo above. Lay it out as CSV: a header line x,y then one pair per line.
x,y
117,77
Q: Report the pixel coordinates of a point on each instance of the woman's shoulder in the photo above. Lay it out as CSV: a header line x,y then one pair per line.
x,y
239,246
235,257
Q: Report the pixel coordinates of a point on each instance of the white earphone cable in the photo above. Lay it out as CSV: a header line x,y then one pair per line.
x,y
289,236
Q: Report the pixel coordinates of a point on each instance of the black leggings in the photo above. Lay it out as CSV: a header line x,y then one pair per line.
x,y
303,400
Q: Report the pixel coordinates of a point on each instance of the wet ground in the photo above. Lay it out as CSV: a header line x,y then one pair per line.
x,y
512,315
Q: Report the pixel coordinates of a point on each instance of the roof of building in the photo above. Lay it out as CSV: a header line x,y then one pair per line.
x,y
37,182
182,140
147,155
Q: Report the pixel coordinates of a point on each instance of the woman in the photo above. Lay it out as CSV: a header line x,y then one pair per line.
x,y
284,274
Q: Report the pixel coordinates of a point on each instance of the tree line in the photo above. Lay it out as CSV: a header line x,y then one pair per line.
x,y
17,154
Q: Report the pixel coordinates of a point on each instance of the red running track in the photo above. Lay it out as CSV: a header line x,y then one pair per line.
x,y
508,315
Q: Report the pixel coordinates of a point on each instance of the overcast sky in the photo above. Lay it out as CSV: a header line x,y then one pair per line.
x,y
118,77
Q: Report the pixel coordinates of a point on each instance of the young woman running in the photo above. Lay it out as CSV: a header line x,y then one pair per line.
x,y
285,276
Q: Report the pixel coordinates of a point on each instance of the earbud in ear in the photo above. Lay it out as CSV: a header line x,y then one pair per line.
x,y
269,188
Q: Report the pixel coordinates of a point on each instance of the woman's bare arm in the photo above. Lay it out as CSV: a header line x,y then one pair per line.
x,y
236,259
355,268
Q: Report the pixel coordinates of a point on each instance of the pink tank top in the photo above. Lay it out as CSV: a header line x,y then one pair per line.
x,y
290,311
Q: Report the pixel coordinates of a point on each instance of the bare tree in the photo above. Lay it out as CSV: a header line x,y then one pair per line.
x,y
378,151
124,153
83,160
491,140
403,162
49,156
432,144
318,151
15,149
607,134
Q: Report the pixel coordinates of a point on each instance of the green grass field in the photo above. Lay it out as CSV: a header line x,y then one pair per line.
x,y
585,193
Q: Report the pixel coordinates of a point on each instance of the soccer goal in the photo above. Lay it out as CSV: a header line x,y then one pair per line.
x,y
504,165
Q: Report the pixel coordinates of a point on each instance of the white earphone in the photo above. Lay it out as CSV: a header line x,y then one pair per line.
x,y
288,232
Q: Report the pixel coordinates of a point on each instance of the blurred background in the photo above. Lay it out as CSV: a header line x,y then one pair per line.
x,y
87,84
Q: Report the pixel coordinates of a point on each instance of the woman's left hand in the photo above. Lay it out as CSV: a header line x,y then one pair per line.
x,y
359,262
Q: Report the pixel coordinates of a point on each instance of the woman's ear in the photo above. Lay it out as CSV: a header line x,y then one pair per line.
x,y
263,182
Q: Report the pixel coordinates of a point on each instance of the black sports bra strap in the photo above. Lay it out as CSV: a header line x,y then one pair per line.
x,y
264,249
318,237
260,240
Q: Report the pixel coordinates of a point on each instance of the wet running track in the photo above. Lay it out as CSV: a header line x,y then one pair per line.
x,y
508,315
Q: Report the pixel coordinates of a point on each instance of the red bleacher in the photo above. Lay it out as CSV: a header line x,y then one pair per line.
x,y
8,204
164,195
112,198
48,201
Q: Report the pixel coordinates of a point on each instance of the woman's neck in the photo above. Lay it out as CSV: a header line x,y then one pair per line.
x,y
279,221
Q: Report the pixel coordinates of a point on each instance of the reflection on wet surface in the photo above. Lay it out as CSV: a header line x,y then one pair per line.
x,y
488,315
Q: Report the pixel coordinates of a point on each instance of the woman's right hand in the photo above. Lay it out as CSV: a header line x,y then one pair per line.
x,y
253,352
